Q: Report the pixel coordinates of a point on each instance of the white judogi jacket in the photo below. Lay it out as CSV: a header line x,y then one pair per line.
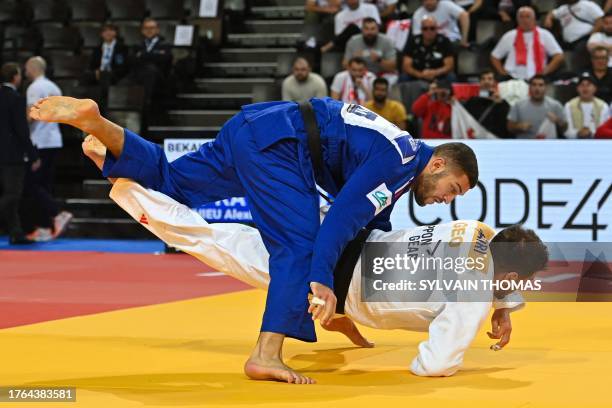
x,y
238,251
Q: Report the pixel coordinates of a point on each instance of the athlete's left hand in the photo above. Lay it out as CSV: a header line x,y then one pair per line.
x,y
501,327
326,311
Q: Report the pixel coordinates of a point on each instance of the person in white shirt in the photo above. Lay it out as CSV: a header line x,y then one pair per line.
x,y
355,84
48,221
528,50
449,17
603,38
578,19
348,23
585,113
453,318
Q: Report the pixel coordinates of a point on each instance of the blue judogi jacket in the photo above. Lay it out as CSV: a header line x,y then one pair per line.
x,y
369,164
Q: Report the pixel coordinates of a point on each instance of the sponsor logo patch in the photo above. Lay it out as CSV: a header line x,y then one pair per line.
x,y
380,197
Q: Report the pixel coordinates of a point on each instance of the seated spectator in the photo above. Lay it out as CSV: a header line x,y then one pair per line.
x,y
429,55
355,84
489,108
448,15
375,48
152,62
303,84
389,109
526,117
434,108
526,49
585,113
605,130
603,38
601,73
386,8
109,61
348,22
578,19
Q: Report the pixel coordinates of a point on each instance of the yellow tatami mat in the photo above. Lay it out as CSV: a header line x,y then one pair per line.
x,y
190,354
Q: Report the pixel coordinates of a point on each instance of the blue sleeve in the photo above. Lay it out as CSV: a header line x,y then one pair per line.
x,y
365,195
146,163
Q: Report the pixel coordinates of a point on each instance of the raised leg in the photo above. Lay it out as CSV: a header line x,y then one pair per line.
x,y
83,114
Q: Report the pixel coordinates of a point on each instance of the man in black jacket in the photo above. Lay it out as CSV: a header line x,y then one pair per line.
x,y
109,61
152,61
488,107
15,150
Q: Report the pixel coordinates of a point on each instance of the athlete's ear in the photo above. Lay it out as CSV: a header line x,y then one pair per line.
x,y
436,164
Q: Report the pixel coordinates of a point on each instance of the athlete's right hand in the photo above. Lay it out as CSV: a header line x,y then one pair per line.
x,y
322,312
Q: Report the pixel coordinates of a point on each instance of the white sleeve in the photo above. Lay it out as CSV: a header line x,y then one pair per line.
x,y
338,24
416,21
556,12
234,249
595,38
336,85
450,334
453,9
375,14
502,48
594,10
550,43
605,115
33,94
571,132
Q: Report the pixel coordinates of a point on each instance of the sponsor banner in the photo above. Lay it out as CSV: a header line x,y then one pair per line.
x,y
233,209
560,188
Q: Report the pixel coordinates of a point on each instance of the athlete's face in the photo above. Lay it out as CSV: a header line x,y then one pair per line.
x,y
439,183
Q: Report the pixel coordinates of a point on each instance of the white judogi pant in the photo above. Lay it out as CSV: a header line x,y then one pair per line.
x,y
238,251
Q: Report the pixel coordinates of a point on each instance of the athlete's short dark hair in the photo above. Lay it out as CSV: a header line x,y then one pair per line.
x,y
462,157
520,250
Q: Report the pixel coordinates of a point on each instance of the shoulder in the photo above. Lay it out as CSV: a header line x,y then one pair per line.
x,y
384,39
553,102
369,8
316,77
396,105
341,75
572,101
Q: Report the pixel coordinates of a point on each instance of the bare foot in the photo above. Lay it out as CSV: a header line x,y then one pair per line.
x,y
346,326
79,113
274,370
95,150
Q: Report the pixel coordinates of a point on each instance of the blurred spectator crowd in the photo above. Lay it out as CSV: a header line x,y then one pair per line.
x,y
463,68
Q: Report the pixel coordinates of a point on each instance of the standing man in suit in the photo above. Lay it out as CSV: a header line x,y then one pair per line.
x,y
108,63
152,61
15,150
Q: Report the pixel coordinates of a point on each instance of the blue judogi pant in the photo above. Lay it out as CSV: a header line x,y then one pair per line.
x,y
278,183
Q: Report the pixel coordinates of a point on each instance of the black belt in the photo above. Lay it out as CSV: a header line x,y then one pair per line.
x,y
343,272
314,143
